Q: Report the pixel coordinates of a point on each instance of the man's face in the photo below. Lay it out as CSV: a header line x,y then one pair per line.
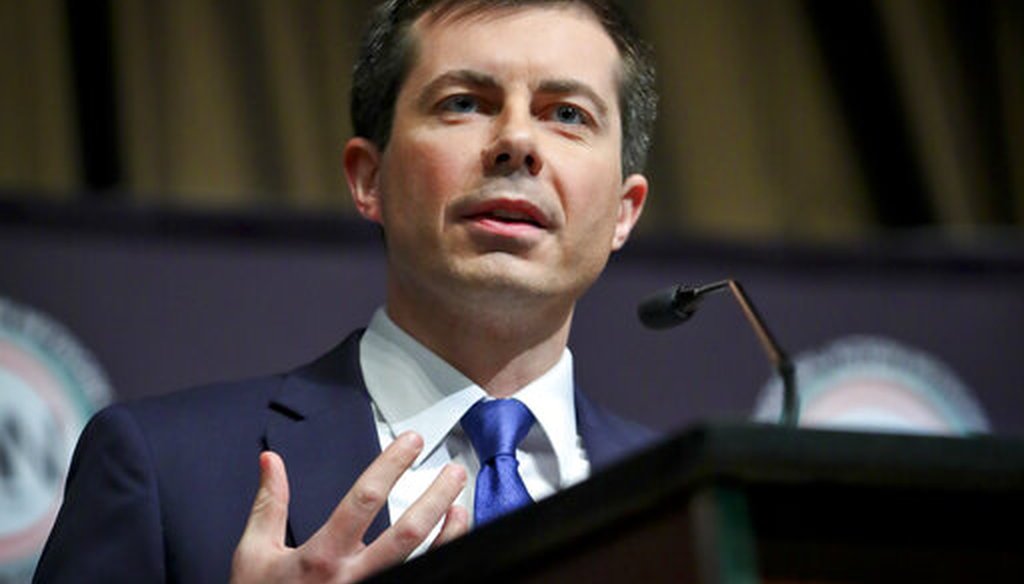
x,y
503,171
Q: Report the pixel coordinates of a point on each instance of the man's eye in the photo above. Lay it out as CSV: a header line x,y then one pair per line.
x,y
570,114
460,104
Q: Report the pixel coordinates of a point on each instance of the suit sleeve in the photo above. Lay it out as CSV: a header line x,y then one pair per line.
x,y
109,526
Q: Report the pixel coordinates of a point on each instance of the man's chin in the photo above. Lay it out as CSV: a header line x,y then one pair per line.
x,y
508,277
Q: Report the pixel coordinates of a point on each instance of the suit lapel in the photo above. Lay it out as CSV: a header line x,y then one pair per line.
x,y
321,423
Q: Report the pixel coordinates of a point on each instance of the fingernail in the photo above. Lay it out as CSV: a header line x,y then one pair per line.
x,y
264,461
457,472
412,439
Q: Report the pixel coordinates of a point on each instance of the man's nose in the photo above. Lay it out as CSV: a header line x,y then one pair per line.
x,y
514,147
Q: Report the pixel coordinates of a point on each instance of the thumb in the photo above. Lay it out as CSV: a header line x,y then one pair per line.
x,y
269,516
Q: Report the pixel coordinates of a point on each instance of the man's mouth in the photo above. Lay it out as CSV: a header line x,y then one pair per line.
x,y
509,212
508,216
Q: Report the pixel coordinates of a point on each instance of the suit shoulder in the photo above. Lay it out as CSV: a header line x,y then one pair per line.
x,y
215,399
633,434
607,436
219,414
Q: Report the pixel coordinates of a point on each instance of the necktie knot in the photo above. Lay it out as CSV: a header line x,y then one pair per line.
x,y
497,427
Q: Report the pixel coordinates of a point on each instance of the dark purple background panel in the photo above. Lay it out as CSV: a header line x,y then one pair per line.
x,y
167,301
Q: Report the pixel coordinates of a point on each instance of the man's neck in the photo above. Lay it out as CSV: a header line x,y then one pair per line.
x,y
501,351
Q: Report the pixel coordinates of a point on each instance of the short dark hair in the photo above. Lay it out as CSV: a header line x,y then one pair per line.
x,y
387,53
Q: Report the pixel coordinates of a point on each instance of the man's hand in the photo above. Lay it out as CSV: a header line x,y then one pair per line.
x,y
336,552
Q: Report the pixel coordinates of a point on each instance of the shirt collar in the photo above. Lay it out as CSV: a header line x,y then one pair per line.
x,y
552,401
414,389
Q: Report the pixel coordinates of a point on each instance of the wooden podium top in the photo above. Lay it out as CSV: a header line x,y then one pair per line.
x,y
721,500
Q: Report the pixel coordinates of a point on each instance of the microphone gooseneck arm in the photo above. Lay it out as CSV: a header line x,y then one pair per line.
x,y
675,305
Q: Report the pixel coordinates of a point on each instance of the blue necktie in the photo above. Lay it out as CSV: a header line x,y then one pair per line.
x,y
496,428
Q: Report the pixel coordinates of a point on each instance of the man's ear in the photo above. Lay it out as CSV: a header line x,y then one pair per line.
x,y
631,205
361,159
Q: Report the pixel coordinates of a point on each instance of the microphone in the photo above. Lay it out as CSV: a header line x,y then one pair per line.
x,y
675,305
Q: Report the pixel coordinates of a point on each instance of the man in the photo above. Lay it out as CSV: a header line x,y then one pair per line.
x,y
498,146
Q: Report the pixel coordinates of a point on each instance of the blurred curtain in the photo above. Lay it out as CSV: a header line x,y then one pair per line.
x,y
235,102
752,142
965,103
38,137
785,118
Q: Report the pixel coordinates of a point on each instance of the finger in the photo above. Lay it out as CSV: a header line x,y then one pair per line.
x,y
398,541
269,516
343,532
456,524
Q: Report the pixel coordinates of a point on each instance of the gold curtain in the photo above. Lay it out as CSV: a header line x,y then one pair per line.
x,y
751,141
235,103
38,136
935,82
244,103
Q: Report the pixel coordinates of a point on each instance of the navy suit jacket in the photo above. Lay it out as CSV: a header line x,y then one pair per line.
x,y
159,490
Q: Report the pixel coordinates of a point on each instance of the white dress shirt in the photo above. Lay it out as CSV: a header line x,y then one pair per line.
x,y
414,389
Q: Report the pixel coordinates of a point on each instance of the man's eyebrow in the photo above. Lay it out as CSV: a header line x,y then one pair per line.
x,y
573,87
465,77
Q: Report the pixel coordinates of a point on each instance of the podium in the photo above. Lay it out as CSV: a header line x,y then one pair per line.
x,y
737,503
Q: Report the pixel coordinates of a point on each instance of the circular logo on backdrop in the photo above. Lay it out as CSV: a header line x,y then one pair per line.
x,y
49,387
876,384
